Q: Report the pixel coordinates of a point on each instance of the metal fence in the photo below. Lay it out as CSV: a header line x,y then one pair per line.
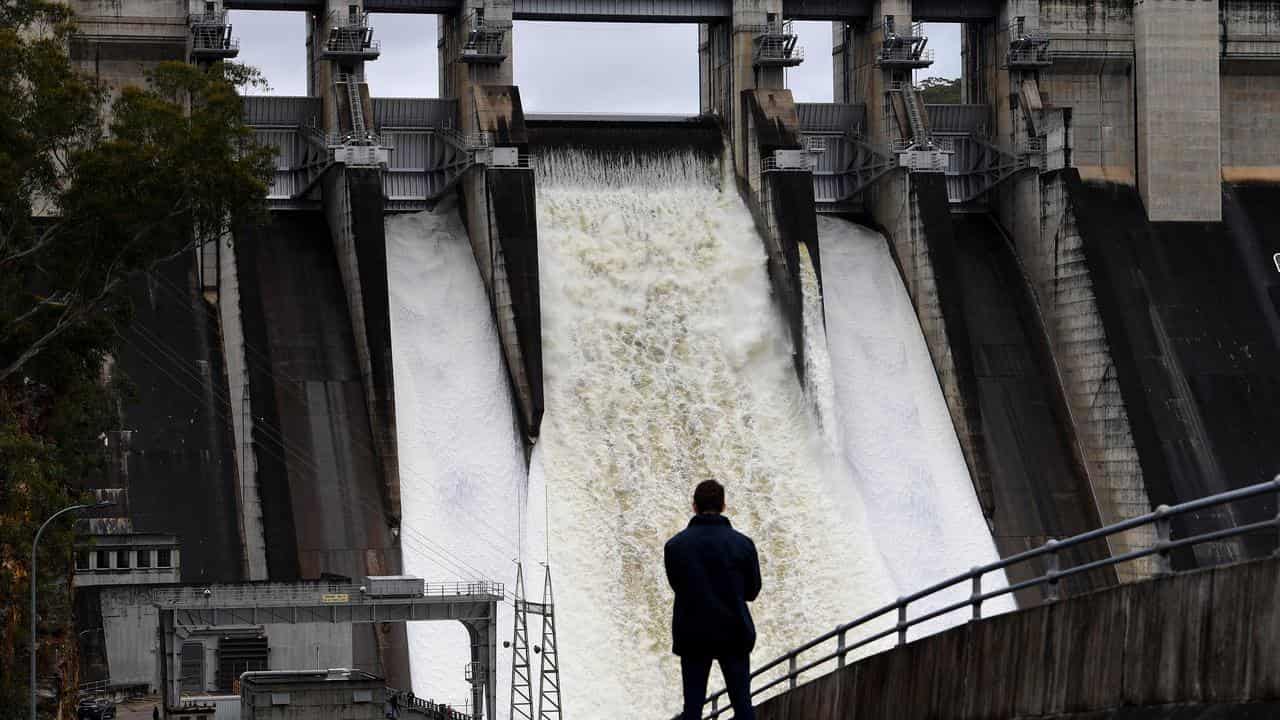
x,y
412,706
793,665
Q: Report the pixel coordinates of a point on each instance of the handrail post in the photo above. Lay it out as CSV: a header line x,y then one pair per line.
x,y
1164,533
1276,481
840,645
902,621
976,596
791,672
1052,593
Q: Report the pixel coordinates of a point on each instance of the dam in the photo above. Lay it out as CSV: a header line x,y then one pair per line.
x,y
910,338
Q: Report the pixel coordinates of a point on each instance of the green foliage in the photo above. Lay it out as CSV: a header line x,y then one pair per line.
x,y
176,165
939,91
95,188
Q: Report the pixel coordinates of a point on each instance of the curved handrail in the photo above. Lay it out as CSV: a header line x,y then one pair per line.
x,y
1161,517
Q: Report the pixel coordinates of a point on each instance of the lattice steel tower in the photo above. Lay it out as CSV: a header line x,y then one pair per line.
x,y
521,688
549,695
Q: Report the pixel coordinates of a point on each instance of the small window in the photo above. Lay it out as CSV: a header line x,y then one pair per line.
x,y
279,698
104,560
122,558
163,558
82,560
144,558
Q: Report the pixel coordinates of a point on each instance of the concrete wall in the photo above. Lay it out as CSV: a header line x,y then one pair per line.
x,y
1250,126
1055,263
1193,329
130,629
318,472
178,465
120,41
1200,645
1178,95
309,645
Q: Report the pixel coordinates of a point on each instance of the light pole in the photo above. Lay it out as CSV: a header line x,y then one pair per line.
x,y
34,582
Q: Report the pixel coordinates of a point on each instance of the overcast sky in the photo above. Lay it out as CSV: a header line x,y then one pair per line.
x,y
560,67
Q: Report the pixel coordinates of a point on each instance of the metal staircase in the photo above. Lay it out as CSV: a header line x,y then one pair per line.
x,y
916,120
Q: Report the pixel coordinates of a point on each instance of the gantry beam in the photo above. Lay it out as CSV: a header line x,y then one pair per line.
x,y
675,11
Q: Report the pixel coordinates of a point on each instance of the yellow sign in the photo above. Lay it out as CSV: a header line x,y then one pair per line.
x,y
335,598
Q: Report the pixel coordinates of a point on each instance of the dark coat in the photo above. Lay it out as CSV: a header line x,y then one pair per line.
x,y
715,572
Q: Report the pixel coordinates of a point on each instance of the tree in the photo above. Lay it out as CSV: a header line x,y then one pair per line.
x,y
93,191
939,91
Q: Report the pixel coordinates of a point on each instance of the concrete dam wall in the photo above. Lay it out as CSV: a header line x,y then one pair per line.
x,y
317,466
1190,309
175,463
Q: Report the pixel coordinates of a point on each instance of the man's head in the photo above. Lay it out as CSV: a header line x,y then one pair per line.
x,y
708,497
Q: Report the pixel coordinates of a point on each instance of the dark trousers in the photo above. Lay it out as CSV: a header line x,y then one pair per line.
x,y
737,679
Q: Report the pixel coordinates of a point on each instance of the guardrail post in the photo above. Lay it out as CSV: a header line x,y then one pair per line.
x,y
840,645
902,621
791,673
976,596
1052,594
1164,533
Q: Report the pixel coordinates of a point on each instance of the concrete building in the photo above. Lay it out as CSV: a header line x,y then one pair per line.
x,y
133,559
305,694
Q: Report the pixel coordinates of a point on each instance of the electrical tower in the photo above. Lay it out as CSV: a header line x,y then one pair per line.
x,y
549,696
521,688
549,675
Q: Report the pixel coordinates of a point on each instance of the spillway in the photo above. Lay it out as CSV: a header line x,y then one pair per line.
x,y
893,432
666,363
462,469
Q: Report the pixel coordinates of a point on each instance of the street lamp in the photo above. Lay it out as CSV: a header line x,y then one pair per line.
x,y
35,544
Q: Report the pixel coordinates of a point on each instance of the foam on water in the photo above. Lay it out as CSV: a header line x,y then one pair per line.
x,y
667,363
462,469
894,431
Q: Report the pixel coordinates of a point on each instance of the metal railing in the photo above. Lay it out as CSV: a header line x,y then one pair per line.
x,y
408,702
347,41
213,39
337,139
770,164
216,18
465,141
905,54
1028,55
284,594
1164,546
777,49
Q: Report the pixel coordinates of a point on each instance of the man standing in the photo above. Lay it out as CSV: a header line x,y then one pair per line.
x,y
715,572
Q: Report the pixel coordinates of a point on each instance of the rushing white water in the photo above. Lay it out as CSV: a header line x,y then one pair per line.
x,y
666,363
462,470
894,431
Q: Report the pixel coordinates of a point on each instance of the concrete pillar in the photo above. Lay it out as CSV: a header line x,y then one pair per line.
x,y
462,71
728,68
1178,109
871,81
